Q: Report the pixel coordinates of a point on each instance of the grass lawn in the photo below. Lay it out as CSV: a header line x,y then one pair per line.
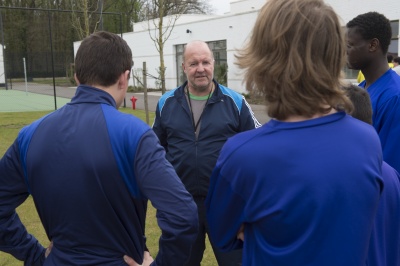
x,y
10,125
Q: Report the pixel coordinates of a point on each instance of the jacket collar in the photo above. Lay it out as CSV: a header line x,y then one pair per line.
x,y
217,94
88,94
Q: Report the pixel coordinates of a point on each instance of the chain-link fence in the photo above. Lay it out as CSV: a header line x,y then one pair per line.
x,y
37,54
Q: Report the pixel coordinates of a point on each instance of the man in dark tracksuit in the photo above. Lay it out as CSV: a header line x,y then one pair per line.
x,y
90,170
193,122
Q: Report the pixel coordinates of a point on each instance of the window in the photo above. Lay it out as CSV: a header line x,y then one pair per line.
x,y
179,60
394,44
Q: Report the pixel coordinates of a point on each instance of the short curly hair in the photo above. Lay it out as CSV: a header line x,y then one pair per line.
x,y
373,25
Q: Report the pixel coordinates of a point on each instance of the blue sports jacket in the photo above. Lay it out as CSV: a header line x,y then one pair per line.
x,y
90,170
226,113
306,192
385,100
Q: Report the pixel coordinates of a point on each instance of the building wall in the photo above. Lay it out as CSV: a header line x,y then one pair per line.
x,y
348,9
238,6
234,27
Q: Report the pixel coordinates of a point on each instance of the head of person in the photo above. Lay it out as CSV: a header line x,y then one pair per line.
x,y
294,58
396,61
361,102
102,60
198,66
368,38
389,58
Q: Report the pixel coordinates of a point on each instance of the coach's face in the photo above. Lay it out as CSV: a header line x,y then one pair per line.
x,y
198,66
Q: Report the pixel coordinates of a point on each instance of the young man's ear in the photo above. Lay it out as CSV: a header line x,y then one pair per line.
x,y
374,44
124,80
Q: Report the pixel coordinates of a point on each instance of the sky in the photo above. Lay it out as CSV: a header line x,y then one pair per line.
x,y
220,6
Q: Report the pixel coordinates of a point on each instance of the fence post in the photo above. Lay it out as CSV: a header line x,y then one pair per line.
x,y
146,105
52,61
26,80
3,48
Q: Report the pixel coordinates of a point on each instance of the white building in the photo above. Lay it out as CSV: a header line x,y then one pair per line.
x,y
226,33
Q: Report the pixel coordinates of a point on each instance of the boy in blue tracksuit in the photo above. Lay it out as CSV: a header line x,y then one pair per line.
x,y
384,245
368,39
90,170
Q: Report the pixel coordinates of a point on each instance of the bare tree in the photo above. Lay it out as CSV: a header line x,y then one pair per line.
x,y
130,9
164,14
83,19
198,7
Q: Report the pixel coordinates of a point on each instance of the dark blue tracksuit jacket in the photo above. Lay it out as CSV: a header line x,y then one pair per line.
x,y
226,114
90,170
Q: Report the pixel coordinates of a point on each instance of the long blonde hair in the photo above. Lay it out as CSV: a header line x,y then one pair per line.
x,y
295,57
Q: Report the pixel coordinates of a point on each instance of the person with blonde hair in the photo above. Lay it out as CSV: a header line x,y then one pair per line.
x,y
304,188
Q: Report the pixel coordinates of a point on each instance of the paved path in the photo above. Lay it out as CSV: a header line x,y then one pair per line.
x,y
69,92
259,110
